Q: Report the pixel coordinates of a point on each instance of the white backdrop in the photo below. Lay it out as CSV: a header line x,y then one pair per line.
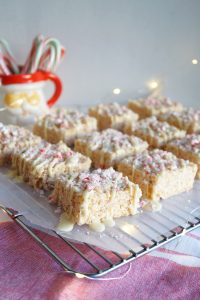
x,y
113,43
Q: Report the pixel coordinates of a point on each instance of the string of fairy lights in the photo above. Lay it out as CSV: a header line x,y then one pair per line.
x,y
152,84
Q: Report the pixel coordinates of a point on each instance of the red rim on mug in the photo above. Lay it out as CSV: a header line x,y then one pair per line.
x,y
35,77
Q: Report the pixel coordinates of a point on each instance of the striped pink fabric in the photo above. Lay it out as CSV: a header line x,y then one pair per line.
x,y
27,272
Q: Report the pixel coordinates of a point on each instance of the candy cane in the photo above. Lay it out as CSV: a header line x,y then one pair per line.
x,y
47,59
3,65
45,54
27,65
5,48
55,51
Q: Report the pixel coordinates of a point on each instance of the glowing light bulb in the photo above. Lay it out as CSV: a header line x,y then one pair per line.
x,y
194,61
153,84
116,91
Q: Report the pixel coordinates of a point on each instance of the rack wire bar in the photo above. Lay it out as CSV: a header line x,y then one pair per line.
x,y
100,254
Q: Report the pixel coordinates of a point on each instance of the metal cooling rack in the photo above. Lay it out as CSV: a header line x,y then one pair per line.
x,y
102,261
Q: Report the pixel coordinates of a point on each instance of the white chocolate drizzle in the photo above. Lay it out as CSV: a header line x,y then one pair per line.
x,y
63,118
155,161
98,227
189,143
65,224
158,102
99,178
151,126
113,109
111,140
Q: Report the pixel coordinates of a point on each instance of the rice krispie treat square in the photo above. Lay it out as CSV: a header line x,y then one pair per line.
x,y
96,197
160,174
112,115
64,125
40,166
187,148
188,120
156,133
153,106
12,139
109,146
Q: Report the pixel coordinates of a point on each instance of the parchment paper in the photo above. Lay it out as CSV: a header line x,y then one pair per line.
x,y
128,233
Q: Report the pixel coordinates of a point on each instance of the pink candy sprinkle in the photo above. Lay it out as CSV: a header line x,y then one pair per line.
x,y
58,155
69,153
86,179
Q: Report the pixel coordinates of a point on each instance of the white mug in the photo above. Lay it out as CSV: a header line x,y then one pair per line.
x,y
22,98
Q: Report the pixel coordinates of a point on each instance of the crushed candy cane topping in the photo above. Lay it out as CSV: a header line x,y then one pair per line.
x,y
111,140
158,102
155,161
64,118
152,126
112,109
189,143
105,180
48,152
15,136
189,115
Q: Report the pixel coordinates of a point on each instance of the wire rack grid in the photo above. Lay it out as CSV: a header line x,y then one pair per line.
x,y
104,262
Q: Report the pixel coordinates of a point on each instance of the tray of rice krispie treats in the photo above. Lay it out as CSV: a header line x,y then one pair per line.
x,y
114,184
125,233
